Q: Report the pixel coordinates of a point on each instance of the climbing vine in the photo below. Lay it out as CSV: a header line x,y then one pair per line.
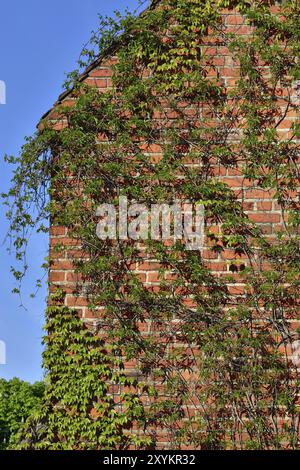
x,y
214,370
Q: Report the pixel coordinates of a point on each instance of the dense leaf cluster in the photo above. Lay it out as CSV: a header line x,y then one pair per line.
x,y
18,401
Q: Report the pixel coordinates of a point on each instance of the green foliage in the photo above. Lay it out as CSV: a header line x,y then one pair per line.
x,y
18,400
79,411
215,349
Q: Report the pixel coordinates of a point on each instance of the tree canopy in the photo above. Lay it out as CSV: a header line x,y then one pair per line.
x,y
18,400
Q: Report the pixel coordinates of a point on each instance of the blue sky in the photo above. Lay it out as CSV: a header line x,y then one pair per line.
x,y
39,43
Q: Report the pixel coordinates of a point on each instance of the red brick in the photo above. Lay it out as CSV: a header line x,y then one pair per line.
x,y
74,277
264,218
234,19
56,276
72,301
264,205
101,72
61,265
57,230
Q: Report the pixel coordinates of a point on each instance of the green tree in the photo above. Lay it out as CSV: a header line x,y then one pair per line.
x,y
18,399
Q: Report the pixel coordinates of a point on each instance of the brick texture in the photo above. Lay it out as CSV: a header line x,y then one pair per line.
x,y
257,202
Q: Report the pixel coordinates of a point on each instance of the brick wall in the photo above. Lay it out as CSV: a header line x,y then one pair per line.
x,y
257,202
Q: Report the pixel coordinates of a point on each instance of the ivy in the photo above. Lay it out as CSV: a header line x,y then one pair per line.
x,y
213,348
